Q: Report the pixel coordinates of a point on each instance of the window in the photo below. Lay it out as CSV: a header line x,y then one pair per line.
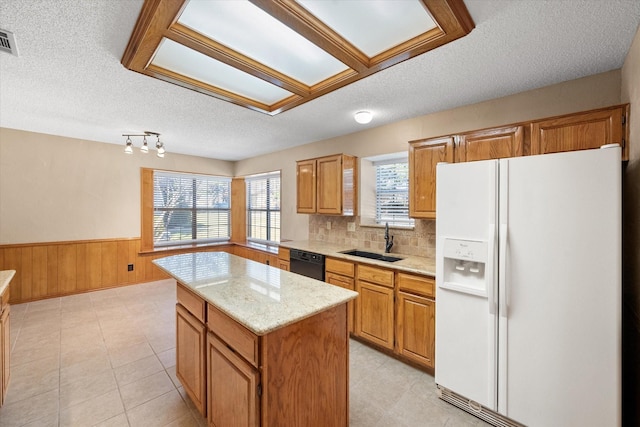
x,y
190,208
263,207
392,193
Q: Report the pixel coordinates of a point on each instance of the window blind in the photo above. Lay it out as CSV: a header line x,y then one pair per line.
x,y
190,208
392,193
263,207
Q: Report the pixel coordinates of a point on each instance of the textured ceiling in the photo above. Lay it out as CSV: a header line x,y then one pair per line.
x,y
68,79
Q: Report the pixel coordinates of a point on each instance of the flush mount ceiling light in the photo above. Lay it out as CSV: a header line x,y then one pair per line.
x,y
273,55
363,117
145,146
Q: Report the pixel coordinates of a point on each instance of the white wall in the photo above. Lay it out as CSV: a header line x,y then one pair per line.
x,y
58,189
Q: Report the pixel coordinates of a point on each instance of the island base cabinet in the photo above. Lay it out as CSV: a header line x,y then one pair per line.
x,y
232,387
305,372
416,328
190,356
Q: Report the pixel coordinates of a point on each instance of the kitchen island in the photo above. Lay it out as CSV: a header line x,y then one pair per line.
x,y
259,346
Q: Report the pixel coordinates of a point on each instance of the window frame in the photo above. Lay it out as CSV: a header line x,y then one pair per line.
x,y
268,210
148,241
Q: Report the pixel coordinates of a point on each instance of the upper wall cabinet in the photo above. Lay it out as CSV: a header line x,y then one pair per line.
x,y
488,144
581,131
327,185
424,155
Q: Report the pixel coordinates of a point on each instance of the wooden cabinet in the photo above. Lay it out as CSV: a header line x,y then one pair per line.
x,y
424,155
487,144
5,344
327,185
232,387
306,186
581,131
374,305
293,376
190,346
415,323
341,273
284,262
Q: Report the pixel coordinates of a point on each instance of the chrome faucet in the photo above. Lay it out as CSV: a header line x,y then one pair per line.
x,y
388,243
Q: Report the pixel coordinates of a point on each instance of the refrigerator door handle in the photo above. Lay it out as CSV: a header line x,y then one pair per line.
x,y
502,275
490,269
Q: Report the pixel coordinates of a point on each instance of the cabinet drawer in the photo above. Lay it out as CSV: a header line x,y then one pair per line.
x,y
336,279
193,303
375,275
344,268
283,253
422,285
237,337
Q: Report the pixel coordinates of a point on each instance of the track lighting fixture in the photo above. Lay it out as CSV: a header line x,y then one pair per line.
x,y
145,146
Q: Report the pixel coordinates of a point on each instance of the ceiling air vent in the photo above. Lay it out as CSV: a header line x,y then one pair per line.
x,y
8,42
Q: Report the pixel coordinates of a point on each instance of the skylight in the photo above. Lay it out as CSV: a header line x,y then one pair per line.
x,y
273,55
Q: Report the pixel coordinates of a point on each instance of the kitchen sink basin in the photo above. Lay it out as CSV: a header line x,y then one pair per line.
x,y
372,255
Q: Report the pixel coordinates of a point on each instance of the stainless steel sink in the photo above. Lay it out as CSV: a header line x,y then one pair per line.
x,y
372,255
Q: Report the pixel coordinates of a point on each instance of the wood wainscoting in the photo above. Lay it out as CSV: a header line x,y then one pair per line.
x,y
45,270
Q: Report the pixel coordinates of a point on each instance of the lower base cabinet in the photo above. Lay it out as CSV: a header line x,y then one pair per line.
x,y
374,317
233,393
190,356
416,327
5,344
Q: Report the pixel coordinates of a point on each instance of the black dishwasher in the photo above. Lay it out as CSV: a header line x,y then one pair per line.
x,y
307,264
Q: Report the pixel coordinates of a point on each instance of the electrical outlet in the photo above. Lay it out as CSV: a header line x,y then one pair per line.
x,y
351,226
328,225
130,267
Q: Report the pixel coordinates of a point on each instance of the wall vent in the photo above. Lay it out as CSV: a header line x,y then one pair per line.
x,y
8,42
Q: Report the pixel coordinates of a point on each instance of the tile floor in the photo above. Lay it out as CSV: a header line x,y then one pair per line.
x,y
107,358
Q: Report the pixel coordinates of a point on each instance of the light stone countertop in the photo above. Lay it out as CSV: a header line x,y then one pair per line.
x,y
5,279
409,263
260,297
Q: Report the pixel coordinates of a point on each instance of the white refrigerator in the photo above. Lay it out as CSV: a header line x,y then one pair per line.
x,y
528,288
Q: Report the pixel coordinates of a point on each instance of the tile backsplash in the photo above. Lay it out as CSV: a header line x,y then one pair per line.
x,y
421,241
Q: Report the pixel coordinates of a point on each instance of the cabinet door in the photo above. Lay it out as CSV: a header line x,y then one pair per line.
x,y
580,131
416,328
284,265
424,155
329,185
306,186
232,387
374,313
5,355
491,144
190,353
347,283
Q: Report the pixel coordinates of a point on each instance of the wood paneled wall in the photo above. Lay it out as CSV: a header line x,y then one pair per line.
x,y
45,270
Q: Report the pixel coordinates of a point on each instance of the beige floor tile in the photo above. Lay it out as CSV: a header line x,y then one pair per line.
x,y
48,421
72,319
86,388
92,411
158,412
86,368
171,371
42,406
33,378
164,341
145,389
117,421
168,358
115,339
123,355
186,421
44,305
72,355
137,370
